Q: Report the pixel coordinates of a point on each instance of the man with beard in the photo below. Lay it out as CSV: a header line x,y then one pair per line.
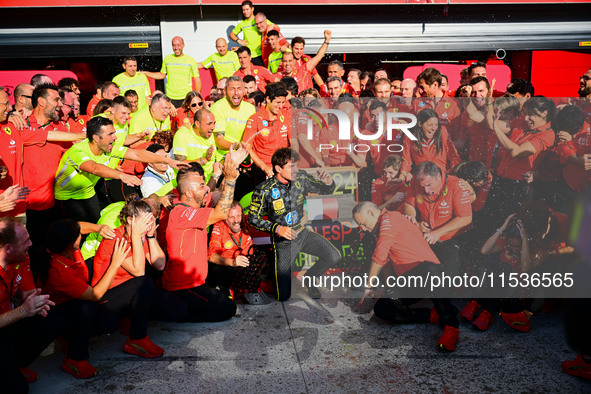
x,y
231,115
196,142
228,252
584,82
186,238
85,163
41,157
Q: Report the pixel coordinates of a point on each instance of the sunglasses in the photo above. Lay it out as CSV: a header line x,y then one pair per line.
x,y
193,105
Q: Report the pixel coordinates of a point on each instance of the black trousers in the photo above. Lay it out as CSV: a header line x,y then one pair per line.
x,y
84,319
166,306
20,344
37,224
287,251
206,304
132,299
448,253
86,210
399,310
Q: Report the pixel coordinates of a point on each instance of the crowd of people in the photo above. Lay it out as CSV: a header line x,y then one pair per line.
x,y
118,202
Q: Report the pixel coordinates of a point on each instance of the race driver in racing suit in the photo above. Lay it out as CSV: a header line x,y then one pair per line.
x,y
281,198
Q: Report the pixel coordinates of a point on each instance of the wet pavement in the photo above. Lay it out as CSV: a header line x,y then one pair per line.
x,y
331,345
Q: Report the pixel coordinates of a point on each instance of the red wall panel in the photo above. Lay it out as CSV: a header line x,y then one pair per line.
x,y
556,73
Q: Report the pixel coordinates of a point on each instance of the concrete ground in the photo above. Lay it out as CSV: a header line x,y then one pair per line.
x,y
332,345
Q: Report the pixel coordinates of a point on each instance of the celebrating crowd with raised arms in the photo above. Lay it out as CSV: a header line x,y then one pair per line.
x,y
130,212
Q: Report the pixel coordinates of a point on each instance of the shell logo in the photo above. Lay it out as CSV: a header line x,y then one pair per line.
x,y
278,204
228,244
265,132
419,199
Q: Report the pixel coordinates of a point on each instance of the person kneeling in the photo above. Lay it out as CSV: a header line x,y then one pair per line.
x,y
131,292
402,243
64,276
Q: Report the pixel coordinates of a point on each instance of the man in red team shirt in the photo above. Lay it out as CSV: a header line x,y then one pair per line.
x,y
303,73
442,209
11,158
69,111
429,86
41,156
388,191
354,79
336,69
584,82
262,75
474,137
186,238
401,243
109,90
24,332
260,21
267,131
229,247
297,46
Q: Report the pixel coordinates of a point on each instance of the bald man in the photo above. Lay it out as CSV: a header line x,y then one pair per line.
x,y
407,87
23,94
181,71
225,63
